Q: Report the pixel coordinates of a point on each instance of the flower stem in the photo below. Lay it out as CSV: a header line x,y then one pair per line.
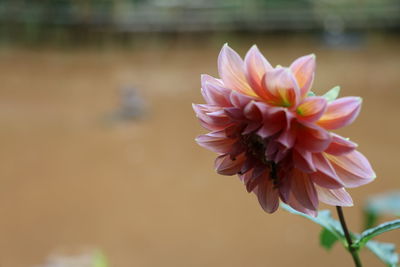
x,y
351,248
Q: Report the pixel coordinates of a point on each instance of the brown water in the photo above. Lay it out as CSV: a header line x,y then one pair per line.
x,y
142,191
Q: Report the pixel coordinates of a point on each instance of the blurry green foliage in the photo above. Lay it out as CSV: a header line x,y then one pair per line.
x,y
332,232
384,204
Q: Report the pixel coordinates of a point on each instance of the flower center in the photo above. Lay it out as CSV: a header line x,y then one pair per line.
x,y
255,147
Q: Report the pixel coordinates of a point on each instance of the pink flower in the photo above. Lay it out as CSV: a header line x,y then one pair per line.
x,y
268,128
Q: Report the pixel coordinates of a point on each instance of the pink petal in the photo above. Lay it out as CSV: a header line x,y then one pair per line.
x,y
213,91
334,197
303,190
281,87
239,100
231,70
274,119
312,108
303,160
252,112
353,168
288,135
256,66
267,195
340,145
340,112
312,137
216,142
226,166
325,175
303,69
295,204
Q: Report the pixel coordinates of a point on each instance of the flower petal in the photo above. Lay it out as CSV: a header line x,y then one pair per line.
x,y
281,87
213,91
256,67
225,165
267,194
311,108
303,190
312,137
303,69
352,168
303,160
340,145
325,175
340,112
216,142
231,70
334,197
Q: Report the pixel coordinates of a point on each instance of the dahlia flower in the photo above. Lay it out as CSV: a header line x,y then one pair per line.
x,y
274,133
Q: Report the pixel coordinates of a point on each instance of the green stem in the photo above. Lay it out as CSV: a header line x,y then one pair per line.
x,y
351,248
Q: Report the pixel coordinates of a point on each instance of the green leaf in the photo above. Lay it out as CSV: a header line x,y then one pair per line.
x,y
380,229
310,93
384,204
385,251
324,219
332,94
99,260
370,219
327,239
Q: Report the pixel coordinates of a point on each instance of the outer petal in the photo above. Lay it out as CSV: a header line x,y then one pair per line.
x,y
213,91
295,204
325,175
303,190
340,146
281,87
312,137
274,119
216,142
334,197
267,195
256,67
311,108
303,160
303,69
352,168
340,112
226,166
231,70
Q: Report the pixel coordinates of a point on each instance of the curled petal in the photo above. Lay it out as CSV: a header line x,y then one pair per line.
x,y
303,160
295,204
353,168
312,137
325,174
213,91
312,108
274,119
267,194
303,69
334,197
216,142
281,87
256,67
214,122
340,112
252,112
288,136
340,146
231,70
225,165
304,190
239,100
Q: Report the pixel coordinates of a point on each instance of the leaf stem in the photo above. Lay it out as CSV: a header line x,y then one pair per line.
x,y
351,248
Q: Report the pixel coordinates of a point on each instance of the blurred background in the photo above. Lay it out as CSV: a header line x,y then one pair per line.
x,y
98,161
